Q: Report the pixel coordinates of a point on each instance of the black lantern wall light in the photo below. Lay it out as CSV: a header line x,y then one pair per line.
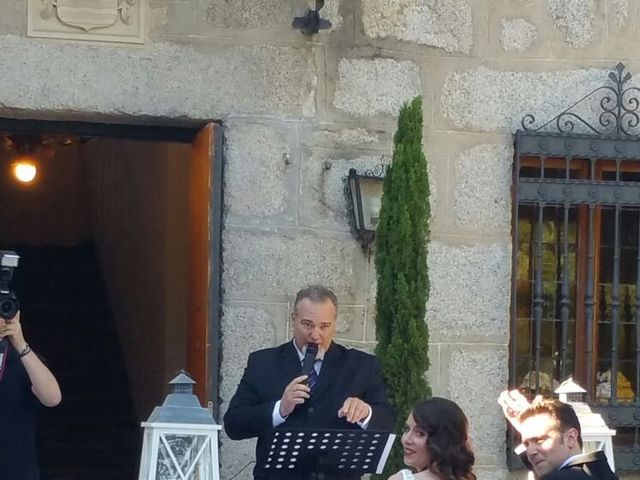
x,y
364,199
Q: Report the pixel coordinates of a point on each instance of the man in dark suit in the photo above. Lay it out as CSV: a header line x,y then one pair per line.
x,y
551,437
343,391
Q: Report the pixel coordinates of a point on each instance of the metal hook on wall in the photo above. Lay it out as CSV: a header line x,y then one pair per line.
x,y
311,23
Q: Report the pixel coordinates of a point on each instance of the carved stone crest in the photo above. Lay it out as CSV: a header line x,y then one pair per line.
x,y
107,20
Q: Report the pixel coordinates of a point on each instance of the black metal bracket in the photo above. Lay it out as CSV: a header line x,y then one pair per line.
x,y
311,23
619,111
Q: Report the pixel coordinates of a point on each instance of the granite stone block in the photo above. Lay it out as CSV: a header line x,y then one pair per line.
x,y
445,24
482,199
470,291
517,34
162,80
261,172
488,100
274,264
368,87
476,376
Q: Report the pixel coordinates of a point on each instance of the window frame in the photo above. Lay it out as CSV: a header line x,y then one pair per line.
x,y
594,156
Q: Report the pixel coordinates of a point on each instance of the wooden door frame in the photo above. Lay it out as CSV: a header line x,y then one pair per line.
x,y
215,262
205,260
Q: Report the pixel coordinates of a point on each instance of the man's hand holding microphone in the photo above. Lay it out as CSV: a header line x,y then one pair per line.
x,y
298,391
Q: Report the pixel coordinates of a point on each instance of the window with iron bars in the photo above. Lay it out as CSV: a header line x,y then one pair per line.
x,y
575,299
576,288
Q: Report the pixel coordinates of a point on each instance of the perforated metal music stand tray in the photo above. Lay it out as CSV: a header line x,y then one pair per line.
x,y
332,452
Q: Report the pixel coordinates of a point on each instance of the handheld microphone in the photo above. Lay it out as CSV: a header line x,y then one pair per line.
x,y
309,358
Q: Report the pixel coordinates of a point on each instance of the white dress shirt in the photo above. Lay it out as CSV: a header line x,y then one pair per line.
x,y
278,419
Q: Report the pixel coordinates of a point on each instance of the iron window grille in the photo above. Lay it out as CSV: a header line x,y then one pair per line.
x,y
575,303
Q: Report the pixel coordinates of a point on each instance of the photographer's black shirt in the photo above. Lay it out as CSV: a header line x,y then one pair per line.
x,y
17,422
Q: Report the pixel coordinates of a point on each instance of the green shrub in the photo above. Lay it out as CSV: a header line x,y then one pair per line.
x,y
401,268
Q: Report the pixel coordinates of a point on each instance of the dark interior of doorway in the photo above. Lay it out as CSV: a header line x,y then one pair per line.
x,y
95,433
69,318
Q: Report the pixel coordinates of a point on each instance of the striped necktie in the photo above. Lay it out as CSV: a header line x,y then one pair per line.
x,y
312,381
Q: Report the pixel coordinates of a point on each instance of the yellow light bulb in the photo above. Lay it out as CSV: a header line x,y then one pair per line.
x,y
24,171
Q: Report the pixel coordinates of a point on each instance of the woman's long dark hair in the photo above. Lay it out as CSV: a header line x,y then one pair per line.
x,y
448,438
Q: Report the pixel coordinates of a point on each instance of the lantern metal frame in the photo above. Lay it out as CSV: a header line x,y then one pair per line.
x,y
353,193
156,435
180,418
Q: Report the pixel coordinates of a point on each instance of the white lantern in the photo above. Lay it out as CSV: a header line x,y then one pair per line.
x,y
595,433
180,438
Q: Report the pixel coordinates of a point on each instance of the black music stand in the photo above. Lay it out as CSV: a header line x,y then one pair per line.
x,y
332,452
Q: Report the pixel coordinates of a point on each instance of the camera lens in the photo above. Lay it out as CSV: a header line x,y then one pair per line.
x,y
8,308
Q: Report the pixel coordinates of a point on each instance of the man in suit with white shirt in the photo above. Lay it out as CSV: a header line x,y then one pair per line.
x,y
552,439
344,390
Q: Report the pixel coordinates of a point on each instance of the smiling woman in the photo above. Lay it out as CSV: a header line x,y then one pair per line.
x,y
436,443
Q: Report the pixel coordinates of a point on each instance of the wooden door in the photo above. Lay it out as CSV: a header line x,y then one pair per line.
x,y
205,204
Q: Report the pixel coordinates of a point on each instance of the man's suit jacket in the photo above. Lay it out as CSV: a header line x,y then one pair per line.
x,y
588,466
344,373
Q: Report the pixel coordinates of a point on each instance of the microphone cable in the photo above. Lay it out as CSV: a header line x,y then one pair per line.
x,y
240,471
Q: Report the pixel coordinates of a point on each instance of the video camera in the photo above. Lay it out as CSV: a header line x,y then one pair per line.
x,y
9,304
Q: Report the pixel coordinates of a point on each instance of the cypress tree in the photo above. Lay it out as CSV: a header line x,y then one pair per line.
x,y
401,268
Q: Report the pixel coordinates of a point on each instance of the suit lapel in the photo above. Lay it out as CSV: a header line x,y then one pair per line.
x,y
330,365
290,361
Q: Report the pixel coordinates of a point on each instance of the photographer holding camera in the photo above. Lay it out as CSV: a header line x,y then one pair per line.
x,y
24,382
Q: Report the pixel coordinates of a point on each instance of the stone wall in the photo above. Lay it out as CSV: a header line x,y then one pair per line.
x,y
298,112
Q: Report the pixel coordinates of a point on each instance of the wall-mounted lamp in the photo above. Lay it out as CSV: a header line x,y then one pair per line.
x,y
26,152
24,170
311,23
364,193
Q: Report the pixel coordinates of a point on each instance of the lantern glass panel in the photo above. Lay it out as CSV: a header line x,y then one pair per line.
x,y
371,190
355,201
184,456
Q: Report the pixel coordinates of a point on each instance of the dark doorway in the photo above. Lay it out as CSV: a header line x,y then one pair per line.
x,y
67,317
105,240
